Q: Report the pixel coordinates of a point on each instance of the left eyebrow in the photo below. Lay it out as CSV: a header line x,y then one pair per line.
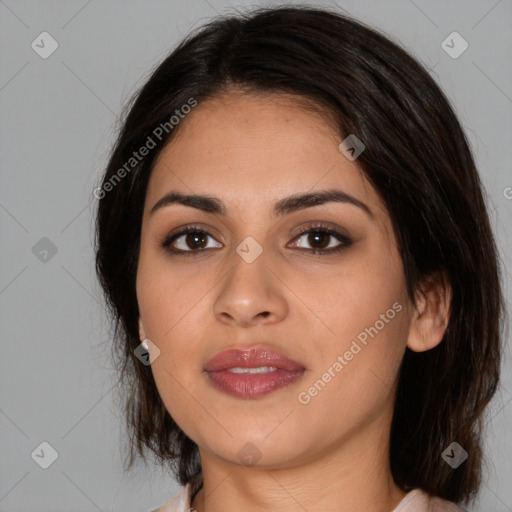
x,y
302,201
293,203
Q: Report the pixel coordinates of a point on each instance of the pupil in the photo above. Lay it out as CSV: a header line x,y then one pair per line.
x,y
313,239
197,240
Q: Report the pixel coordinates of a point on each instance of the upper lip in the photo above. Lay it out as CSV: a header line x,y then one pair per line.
x,y
251,358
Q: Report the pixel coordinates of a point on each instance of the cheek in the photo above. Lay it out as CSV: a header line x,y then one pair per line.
x,y
361,298
170,304
353,382
170,296
170,322
173,320
365,310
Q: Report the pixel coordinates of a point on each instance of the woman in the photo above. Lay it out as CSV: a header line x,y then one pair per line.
x,y
292,238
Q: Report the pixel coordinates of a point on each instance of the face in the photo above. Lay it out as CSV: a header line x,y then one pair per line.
x,y
252,277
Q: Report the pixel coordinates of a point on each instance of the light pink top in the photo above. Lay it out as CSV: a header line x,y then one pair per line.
x,y
414,501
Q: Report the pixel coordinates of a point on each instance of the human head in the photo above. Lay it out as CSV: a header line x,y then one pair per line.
x,y
416,158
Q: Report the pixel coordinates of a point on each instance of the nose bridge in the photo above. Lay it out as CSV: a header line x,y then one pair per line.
x,y
250,290
249,264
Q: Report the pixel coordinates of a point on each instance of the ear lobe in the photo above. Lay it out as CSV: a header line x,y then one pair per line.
x,y
432,314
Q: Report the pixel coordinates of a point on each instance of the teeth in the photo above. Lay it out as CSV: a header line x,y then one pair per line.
x,y
260,369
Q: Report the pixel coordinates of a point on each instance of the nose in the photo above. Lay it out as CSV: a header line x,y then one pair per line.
x,y
250,294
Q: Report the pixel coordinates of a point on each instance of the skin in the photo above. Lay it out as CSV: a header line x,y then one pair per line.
x,y
331,453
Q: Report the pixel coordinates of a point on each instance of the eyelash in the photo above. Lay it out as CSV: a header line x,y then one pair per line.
x,y
317,228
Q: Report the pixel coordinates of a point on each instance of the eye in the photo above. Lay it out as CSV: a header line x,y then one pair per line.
x,y
188,241
323,240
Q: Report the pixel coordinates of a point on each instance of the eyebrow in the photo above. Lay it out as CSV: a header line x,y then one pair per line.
x,y
293,203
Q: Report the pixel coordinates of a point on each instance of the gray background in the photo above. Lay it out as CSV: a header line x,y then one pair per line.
x,y
58,120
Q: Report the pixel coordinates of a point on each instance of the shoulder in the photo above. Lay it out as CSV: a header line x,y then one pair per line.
x,y
438,504
179,503
418,500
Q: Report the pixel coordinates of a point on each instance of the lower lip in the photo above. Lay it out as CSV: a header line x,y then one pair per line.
x,y
246,385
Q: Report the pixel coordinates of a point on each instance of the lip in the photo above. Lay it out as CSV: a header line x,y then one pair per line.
x,y
251,358
252,385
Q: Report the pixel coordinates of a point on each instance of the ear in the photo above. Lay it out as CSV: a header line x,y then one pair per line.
x,y
432,314
142,333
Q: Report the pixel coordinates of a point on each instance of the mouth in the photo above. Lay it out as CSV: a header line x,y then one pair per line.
x,y
252,373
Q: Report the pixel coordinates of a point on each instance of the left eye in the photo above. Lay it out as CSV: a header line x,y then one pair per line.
x,y
323,240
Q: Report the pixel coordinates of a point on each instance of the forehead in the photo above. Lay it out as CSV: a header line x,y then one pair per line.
x,y
255,149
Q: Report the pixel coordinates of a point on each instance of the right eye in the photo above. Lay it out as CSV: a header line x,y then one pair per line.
x,y
188,241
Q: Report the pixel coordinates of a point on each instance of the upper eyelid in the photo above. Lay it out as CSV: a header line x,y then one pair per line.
x,y
305,229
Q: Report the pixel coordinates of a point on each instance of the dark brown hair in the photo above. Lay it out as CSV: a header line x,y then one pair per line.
x,y
418,160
